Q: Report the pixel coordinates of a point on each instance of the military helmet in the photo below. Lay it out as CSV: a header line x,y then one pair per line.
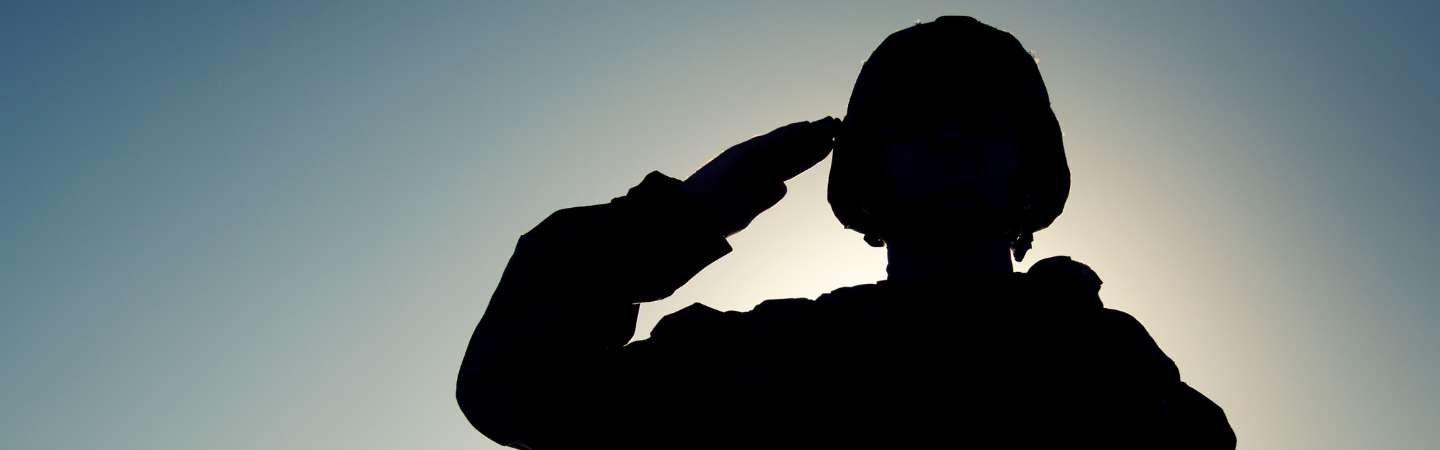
x,y
954,60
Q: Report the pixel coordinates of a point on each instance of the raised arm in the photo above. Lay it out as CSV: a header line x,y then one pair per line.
x,y
547,367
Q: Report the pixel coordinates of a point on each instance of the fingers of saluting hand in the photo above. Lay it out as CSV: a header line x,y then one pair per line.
x,y
750,177
784,153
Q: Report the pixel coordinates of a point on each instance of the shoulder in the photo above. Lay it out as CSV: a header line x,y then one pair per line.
x,y
848,299
1130,336
698,320
701,319
769,318
1063,277
1122,320
1123,327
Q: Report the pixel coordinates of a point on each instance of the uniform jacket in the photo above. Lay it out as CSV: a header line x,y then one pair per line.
x,y
980,361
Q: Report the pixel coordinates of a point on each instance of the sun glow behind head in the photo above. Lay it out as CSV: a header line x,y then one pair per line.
x,y
295,212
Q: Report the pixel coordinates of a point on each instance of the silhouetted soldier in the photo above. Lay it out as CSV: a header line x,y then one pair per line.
x,y
950,157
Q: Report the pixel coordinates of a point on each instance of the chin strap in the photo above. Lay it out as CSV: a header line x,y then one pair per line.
x,y
1022,245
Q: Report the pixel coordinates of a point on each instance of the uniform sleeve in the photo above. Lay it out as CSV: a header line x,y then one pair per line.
x,y
547,367
1188,420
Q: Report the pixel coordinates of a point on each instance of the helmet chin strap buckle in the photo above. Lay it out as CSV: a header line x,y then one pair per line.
x,y
1022,245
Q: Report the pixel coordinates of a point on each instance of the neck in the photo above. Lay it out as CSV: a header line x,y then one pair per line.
x,y
914,256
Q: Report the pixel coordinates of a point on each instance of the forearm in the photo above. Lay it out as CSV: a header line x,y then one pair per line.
x,y
570,294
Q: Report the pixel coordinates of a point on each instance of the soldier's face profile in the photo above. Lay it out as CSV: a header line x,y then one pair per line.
x,y
950,163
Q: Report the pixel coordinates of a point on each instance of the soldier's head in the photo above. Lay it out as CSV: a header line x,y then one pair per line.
x,y
949,131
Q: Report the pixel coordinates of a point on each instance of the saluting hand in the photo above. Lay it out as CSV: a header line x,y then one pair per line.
x,y
749,178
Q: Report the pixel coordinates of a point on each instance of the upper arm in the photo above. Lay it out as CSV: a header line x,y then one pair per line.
x,y
1189,420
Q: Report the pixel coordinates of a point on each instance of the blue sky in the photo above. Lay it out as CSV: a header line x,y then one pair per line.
x,y
274,224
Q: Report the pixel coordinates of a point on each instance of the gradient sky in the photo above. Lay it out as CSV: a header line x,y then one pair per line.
x,y
275,224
